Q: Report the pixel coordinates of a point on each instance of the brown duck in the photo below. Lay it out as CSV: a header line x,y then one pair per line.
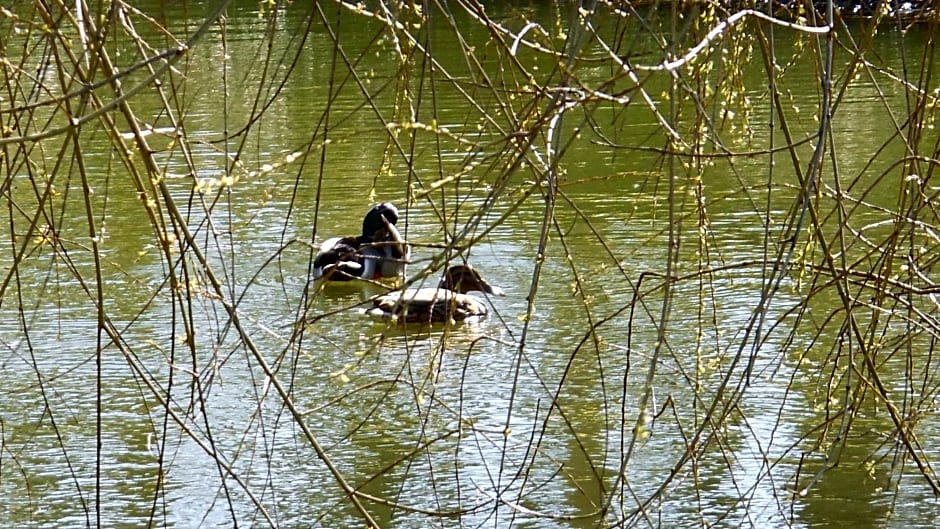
x,y
447,302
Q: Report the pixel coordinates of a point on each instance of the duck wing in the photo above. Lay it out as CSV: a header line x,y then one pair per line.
x,y
339,259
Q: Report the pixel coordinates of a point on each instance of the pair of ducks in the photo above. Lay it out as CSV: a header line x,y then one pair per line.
x,y
381,252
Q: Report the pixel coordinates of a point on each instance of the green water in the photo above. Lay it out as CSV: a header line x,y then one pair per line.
x,y
526,419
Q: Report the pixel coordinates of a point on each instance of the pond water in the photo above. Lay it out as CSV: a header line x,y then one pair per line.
x,y
637,372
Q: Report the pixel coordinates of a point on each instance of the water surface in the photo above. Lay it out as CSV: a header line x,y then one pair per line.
x,y
574,412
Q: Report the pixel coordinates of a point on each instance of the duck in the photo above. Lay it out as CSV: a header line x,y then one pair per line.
x,y
379,252
447,302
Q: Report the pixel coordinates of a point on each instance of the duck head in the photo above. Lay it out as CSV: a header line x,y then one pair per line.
x,y
378,218
464,278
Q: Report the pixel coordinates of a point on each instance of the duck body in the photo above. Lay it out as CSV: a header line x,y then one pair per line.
x,y
379,252
448,302
341,259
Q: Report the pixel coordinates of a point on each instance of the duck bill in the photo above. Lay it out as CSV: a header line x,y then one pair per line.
x,y
400,247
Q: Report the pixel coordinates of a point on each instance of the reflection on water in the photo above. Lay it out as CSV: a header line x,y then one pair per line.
x,y
570,411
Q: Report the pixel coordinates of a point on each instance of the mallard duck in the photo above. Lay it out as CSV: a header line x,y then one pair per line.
x,y
447,302
379,252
